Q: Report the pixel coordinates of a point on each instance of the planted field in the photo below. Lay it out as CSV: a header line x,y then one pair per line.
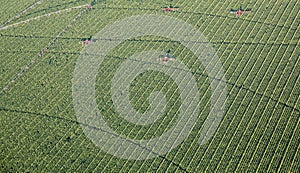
x,y
255,57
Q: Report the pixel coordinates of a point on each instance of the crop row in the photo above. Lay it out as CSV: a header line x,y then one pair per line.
x,y
252,135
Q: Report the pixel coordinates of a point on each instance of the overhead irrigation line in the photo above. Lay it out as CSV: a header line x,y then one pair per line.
x,y
222,42
44,15
248,20
18,15
95,128
191,12
148,40
239,86
145,9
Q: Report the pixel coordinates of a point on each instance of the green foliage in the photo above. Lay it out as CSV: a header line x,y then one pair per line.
x,y
259,53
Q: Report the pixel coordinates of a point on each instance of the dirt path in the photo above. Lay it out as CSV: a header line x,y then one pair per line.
x,y
18,15
38,17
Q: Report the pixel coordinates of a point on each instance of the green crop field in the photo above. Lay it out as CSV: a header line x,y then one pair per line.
x,y
40,48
